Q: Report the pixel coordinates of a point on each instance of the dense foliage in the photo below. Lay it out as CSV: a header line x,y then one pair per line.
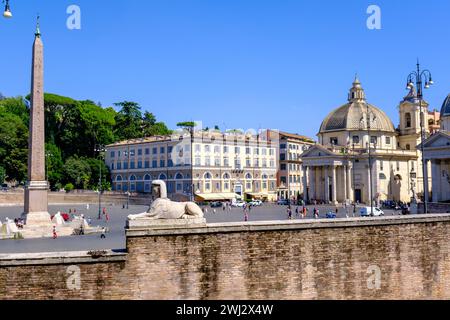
x,y
73,129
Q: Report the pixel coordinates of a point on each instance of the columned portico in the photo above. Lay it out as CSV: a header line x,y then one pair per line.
x,y
334,187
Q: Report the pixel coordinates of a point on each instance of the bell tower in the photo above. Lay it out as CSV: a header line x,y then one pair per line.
x,y
409,113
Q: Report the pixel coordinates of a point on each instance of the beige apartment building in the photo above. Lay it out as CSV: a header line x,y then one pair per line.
x,y
205,166
290,173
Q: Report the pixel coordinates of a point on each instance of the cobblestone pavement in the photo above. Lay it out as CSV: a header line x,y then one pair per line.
x,y
116,238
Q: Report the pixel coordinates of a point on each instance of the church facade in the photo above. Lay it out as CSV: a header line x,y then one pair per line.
x,y
437,152
360,155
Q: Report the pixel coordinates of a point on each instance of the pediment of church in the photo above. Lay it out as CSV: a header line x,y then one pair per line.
x,y
439,140
318,151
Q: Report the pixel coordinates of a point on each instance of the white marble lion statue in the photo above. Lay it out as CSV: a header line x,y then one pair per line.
x,y
164,208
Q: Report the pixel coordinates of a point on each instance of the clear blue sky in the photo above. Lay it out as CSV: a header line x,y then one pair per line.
x,y
235,63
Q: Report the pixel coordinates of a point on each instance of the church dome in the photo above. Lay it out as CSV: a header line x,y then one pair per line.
x,y
445,110
352,116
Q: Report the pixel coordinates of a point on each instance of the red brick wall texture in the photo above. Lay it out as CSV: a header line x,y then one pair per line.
x,y
384,262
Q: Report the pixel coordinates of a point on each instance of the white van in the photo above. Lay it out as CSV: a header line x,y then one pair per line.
x,y
366,212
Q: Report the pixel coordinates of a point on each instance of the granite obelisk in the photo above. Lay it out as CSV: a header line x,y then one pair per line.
x,y
36,192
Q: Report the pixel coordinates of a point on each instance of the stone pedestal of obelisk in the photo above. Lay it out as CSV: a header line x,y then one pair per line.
x,y
36,192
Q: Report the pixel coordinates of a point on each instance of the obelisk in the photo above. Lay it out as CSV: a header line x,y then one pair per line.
x,y
36,192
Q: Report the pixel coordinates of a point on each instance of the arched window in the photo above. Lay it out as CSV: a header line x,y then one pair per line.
x,y
248,176
226,182
162,176
179,176
382,176
207,176
408,147
147,177
408,120
226,176
133,178
119,178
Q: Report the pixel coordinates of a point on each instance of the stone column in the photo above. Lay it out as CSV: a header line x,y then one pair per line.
x,y
327,185
350,186
436,180
305,183
312,183
36,202
344,173
334,188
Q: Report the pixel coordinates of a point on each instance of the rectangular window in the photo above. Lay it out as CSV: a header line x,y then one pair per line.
x,y
334,141
162,150
217,162
118,154
225,149
140,164
398,165
139,152
132,165
147,164
169,149
388,140
282,157
283,167
247,150
154,164
226,162
197,148
162,163
147,151
381,165
198,161
155,150
132,153
355,139
112,166
207,161
207,149
373,140
113,154
248,162
170,163
119,165
125,165
283,146
217,149
264,151
237,150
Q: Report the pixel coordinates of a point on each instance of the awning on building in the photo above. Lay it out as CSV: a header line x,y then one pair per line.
x,y
258,194
217,196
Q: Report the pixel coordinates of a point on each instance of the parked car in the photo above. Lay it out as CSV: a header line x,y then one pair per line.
x,y
283,202
238,204
256,203
366,212
331,215
216,204
405,209
5,187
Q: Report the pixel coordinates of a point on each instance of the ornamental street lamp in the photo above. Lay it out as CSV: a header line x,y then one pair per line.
x,y
7,13
100,149
370,160
421,77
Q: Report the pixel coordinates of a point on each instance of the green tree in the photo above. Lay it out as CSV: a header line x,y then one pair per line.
x,y
2,175
54,164
95,165
78,172
128,121
13,146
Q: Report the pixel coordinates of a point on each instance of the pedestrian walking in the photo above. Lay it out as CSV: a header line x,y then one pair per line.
x,y
87,206
103,235
289,211
55,235
214,211
297,212
245,216
107,217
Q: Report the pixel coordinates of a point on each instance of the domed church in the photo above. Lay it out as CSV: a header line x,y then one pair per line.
x,y
437,151
337,169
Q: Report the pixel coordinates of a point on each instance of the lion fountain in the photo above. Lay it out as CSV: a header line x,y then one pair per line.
x,y
162,208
